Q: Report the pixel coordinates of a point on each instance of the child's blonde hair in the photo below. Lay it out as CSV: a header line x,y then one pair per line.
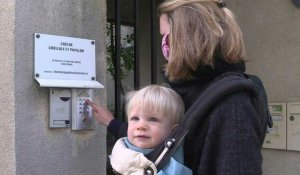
x,y
155,98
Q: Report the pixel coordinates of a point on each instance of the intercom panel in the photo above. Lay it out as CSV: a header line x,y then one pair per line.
x,y
81,112
60,108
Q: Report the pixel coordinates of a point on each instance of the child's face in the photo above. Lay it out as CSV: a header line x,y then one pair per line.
x,y
147,129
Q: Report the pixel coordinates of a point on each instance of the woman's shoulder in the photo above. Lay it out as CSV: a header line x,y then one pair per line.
x,y
239,98
238,104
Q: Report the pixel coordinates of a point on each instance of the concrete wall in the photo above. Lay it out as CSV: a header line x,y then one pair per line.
x,y
271,32
7,101
28,146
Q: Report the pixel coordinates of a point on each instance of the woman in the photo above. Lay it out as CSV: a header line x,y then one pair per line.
x,y
202,41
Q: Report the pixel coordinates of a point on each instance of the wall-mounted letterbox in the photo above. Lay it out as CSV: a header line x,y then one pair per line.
x,y
276,136
293,126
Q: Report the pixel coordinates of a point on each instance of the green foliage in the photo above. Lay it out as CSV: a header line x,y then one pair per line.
x,y
126,52
126,64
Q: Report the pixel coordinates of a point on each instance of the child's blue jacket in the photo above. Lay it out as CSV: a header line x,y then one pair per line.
x,y
173,167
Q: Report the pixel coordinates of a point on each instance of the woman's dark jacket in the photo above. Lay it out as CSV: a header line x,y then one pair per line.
x,y
230,141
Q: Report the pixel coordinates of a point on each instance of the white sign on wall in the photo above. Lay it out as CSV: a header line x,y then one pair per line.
x,y
65,61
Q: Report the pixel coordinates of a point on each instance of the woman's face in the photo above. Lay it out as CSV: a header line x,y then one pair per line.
x,y
164,24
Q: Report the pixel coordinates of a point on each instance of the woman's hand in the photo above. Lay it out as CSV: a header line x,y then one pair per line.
x,y
102,114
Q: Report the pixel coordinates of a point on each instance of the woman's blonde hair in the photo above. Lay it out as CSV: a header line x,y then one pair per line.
x,y
155,98
199,30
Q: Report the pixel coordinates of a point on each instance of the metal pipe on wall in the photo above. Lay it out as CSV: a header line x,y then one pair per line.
x,y
136,45
117,59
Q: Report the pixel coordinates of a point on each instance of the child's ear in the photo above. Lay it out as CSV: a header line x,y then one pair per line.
x,y
174,126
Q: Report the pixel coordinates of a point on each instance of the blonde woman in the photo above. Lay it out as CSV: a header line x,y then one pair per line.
x,y
202,41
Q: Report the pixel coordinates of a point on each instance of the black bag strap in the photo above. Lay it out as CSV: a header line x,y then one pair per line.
x,y
261,90
197,113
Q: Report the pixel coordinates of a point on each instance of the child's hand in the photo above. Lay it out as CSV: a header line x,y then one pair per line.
x,y
101,114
